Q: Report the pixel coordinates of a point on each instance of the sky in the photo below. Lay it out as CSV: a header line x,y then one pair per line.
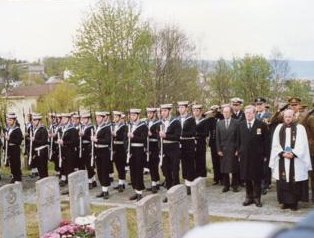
x,y
32,29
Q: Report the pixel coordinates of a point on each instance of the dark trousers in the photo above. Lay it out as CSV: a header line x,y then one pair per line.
x,y
266,181
188,159
153,162
86,159
216,163
200,158
137,162
55,157
103,165
234,180
311,178
171,164
119,158
253,189
68,161
14,157
41,162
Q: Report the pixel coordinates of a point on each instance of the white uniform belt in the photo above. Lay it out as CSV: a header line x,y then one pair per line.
x,y
12,144
169,142
41,147
101,146
86,142
137,144
118,142
153,140
187,138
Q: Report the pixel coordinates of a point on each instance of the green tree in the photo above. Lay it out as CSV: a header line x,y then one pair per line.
x,y
63,99
220,82
251,78
111,56
175,74
55,66
299,88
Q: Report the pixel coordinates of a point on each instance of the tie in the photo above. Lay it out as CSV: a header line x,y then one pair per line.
x,y
250,127
227,124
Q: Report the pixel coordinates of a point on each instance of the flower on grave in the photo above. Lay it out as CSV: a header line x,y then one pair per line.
x,y
67,229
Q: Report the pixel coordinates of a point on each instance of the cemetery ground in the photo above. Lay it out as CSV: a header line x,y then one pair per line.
x,y
221,206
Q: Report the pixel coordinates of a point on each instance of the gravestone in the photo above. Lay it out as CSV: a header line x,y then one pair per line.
x,y
178,211
79,194
199,201
48,204
12,217
112,223
149,217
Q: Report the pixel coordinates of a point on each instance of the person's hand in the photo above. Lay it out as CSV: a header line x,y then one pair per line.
x,y
220,153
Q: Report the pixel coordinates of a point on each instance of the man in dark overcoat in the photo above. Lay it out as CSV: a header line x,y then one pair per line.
x,y
226,142
252,147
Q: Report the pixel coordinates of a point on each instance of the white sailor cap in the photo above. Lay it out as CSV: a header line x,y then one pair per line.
x,y
166,106
66,114
75,115
52,114
102,113
236,100
151,109
197,106
183,103
11,115
37,116
214,107
135,110
85,114
116,113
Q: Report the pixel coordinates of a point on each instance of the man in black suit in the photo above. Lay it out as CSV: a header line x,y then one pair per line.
x,y
252,147
187,142
226,141
137,137
169,146
214,115
202,132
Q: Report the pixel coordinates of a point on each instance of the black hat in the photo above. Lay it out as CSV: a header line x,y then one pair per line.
x,y
260,100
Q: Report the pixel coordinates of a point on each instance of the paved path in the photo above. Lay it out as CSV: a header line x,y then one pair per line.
x,y
220,204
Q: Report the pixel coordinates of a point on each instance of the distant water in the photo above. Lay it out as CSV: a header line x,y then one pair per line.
x,y
302,69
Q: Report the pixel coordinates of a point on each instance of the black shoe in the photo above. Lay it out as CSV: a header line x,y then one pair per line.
x,y
284,206
188,190
65,192
12,180
139,197
158,186
94,183
247,202
133,197
121,187
225,189
106,195
118,186
100,195
62,183
149,189
258,202
165,200
294,207
264,191
90,186
154,189
235,189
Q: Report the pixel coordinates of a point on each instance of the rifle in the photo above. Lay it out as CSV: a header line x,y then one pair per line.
x,y
80,131
111,144
92,149
161,155
60,155
147,154
129,145
30,147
